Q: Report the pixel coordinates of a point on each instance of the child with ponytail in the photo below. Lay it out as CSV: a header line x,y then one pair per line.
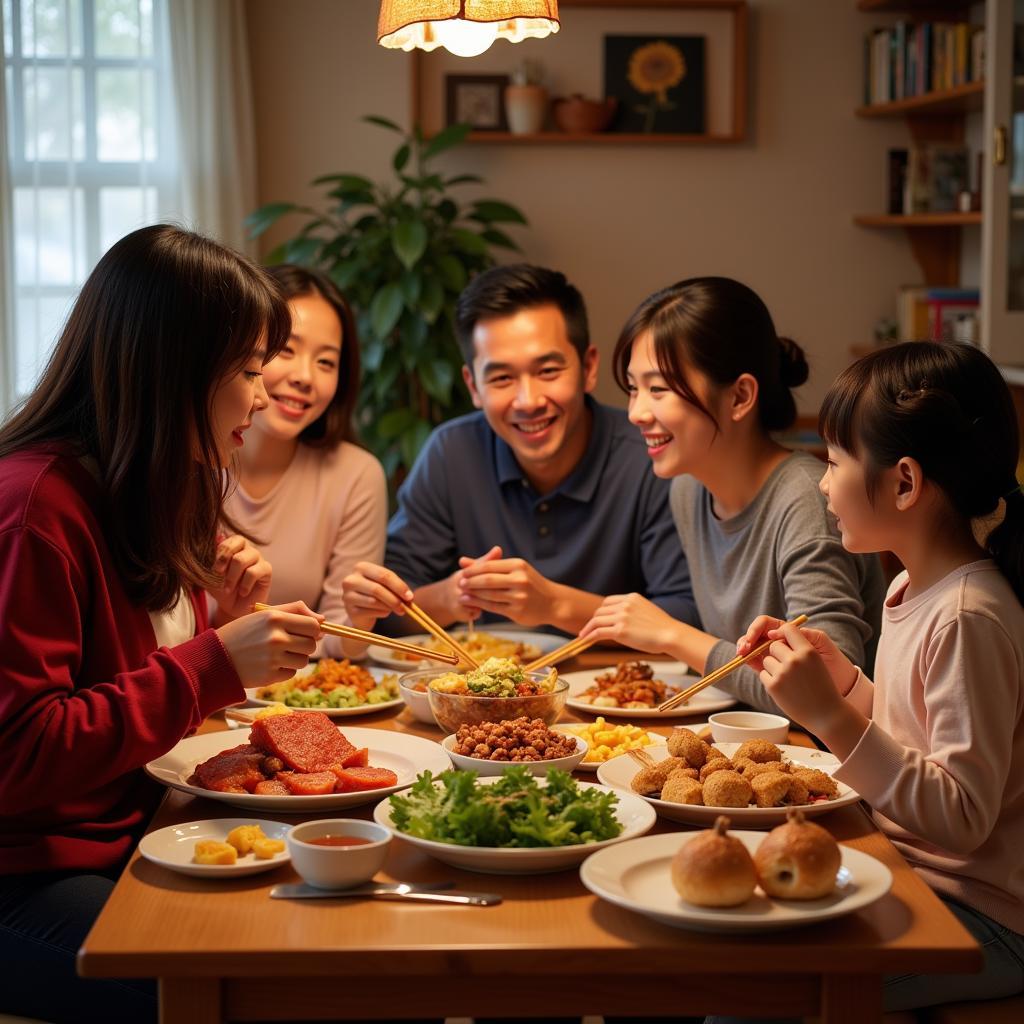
x,y
923,451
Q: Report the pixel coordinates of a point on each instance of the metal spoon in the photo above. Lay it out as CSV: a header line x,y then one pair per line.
x,y
387,890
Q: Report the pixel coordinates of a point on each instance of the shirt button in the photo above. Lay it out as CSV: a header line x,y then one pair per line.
x,y
544,531
543,507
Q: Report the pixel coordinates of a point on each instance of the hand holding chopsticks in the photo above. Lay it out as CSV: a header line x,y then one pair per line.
x,y
720,673
361,635
569,650
415,612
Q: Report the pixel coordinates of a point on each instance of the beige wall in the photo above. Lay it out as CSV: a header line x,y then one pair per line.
x,y
619,220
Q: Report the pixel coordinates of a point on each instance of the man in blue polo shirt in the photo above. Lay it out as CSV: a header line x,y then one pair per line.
x,y
543,502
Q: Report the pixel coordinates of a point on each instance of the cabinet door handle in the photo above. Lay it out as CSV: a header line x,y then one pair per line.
x,y
999,145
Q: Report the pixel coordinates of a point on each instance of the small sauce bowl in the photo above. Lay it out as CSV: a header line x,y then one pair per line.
x,y
338,867
740,726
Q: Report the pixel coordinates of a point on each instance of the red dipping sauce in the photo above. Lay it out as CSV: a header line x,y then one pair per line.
x,y
337,841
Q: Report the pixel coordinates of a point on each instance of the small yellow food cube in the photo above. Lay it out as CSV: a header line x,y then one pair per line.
x,y
243,837
211,851
267,848
273,709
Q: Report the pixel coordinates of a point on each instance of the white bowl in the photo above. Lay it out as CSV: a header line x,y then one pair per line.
x,y
416,701
740,726
485,767
338,867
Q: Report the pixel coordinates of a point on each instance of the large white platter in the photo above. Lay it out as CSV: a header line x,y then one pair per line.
x,y
619,771
636,817
383,656
376,671
637,875
174,846
673,674
406,756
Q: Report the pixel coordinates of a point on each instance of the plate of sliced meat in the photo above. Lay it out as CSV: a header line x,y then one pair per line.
x,y
298,763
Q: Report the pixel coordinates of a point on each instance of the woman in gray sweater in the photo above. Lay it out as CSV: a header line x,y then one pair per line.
x,y
709,380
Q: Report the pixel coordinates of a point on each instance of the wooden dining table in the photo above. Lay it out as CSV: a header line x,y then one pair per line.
x,y
224,951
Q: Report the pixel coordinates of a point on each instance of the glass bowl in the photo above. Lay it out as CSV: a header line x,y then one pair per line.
x,y
454,709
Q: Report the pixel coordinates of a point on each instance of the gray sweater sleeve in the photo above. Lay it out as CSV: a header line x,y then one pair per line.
x,y
821,580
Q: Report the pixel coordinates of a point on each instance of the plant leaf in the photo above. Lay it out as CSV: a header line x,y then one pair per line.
x,y
469,242
346,181
409,240
496,237
385,309
432,299
445,139
437,377
463,179
259,220
303,250
413,440
493,210
396,422
401,158
453,273
412,286
383,122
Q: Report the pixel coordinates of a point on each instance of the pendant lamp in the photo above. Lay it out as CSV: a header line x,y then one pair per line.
x,y
464,27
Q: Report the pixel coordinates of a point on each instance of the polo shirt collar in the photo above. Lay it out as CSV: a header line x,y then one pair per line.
x,y
581,484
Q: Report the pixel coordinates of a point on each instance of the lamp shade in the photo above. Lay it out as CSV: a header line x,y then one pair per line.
x,y
465,27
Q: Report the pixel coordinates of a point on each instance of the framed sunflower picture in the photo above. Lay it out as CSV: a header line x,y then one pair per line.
x,y
658,81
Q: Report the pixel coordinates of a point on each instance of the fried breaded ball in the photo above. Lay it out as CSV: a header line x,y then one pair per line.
x,y
798,793
727,789
714,752
741,764
770,788
752,768
650,780
817,782
679,788
759,750
716,764
684,743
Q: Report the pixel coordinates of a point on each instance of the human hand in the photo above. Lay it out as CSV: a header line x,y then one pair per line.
x,y
245,574
511,587
633,621
270,646
841,670
371,592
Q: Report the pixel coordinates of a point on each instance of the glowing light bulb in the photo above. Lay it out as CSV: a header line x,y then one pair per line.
x,y
465,38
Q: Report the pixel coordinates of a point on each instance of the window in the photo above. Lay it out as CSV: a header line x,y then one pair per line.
x,y
90,149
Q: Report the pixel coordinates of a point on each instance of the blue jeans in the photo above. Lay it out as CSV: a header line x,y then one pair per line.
x,y
44,919
1002,973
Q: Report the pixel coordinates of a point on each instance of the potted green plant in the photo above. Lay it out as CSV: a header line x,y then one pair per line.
x,y
401,252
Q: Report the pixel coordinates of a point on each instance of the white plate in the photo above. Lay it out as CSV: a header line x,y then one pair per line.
x,y
361,709
673,674
636,817
592,766
173,847
637,875
619,771
406,756
475,764
383,656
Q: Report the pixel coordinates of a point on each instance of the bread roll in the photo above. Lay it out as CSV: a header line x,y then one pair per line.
x,y
798,860
714,869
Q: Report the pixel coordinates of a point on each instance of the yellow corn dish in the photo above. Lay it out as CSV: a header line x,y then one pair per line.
x,y
606,741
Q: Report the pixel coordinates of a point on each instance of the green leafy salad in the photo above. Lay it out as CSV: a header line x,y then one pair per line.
x,y
514,811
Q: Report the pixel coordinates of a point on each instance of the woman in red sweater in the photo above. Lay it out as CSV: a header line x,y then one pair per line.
x,y
110,509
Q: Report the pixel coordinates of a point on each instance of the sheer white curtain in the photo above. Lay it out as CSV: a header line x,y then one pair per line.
x,y
213,96
6,257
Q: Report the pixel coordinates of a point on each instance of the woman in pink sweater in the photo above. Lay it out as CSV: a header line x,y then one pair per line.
x,y
110,503
923,447
316,500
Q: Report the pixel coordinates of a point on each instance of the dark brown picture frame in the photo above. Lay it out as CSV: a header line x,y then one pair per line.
x,y
478,100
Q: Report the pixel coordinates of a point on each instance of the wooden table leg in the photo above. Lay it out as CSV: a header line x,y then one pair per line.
x,y
190,1001
851,998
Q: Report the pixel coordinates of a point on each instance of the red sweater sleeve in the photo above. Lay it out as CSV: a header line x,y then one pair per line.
x,y
65,728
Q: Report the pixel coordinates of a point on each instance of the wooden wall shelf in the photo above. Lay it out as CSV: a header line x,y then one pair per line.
x,y
917,220
897,6
959,100
601,138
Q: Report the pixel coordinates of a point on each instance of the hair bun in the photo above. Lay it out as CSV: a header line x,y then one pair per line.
x,y
793,369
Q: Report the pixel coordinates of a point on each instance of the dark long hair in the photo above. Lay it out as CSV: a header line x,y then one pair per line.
x,y
723,329
336,423
948,407
162,320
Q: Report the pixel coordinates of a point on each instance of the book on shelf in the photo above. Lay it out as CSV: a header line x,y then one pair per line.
x,y
925,313
913,58
936,173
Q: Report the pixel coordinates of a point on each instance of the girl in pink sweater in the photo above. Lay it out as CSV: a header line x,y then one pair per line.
x,y
923,450
110,502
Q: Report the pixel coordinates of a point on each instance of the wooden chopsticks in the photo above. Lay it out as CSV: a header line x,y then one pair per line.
x,y
351,633
420,616
720,673
569,650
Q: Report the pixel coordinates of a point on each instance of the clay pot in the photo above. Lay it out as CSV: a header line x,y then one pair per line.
x,y
579,116
526,108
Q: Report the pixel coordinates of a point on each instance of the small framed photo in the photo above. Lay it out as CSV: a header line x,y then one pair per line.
x,y
478,100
